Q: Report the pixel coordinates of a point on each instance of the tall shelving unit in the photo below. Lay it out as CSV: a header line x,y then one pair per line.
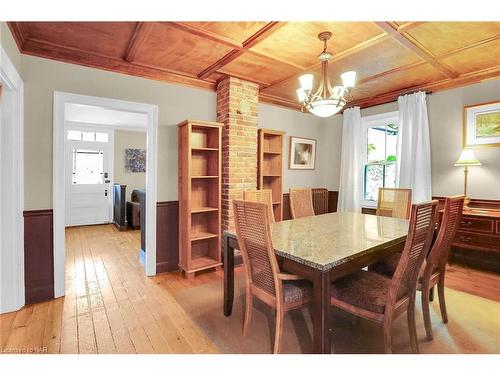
x,y
199,195
270,167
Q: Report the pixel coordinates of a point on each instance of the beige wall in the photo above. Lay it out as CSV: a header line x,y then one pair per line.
x,y
445,110
42,77
327,132
9,45
128,139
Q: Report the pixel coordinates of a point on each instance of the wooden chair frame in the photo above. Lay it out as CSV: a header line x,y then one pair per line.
x,y
275,301
381,212
262,196
435,266
394,307
301,208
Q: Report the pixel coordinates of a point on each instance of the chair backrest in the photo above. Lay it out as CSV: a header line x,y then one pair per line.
x,y
320,200
452,216
418,242
301,204
394,202
254,239
262,196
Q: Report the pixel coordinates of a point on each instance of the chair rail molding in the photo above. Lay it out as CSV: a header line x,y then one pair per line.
x,y
59,199
11,187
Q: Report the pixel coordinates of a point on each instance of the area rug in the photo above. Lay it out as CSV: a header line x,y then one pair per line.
x,y
474,324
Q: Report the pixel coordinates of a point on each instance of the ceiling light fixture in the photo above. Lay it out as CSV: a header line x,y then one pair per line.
x,y
325,101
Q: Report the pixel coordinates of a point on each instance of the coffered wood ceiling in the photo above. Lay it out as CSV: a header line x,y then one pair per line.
x,y
390,58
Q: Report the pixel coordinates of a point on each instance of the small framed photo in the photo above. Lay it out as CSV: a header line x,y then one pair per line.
x,y
301,153
482,125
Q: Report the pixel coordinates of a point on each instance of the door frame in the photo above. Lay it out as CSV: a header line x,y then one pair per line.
x,y
59,196
12,190
110,130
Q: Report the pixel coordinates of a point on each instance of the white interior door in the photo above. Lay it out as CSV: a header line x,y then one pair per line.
x,y
89,172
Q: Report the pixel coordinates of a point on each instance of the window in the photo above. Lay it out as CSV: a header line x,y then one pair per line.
x,y
87,136
379,169
87,167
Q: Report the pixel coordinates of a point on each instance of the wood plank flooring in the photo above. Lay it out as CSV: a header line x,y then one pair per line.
x,y
112,307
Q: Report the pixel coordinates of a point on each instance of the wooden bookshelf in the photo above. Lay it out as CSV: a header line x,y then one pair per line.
x,y
270,167
199,195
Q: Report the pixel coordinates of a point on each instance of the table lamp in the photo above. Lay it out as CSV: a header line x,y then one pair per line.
x,y
466,159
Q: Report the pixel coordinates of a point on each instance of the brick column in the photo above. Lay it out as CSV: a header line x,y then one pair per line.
x,y
239,141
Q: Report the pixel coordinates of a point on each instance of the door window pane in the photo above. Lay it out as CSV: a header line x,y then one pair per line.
x,y
74,135
88,136
374,179
376,144
101,137
87,167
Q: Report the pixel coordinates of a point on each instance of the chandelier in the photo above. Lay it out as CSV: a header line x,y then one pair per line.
x,y
325,101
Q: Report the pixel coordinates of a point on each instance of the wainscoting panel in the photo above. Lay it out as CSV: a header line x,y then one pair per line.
x,y
38,255
167,236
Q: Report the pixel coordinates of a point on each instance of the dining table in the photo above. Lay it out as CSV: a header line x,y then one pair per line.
x,y
322,249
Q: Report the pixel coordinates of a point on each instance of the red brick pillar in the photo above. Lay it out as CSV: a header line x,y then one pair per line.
x,y
239,141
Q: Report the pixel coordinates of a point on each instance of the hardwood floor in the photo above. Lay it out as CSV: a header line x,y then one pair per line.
x,y
112,307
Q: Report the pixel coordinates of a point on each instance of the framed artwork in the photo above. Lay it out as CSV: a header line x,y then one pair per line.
x,y
301,153
135,160
482,125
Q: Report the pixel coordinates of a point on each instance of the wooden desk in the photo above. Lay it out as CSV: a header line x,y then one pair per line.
x,y
322,249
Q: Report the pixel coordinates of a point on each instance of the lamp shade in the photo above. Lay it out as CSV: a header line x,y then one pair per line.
x,y
467,158
306,82
325,108
348,79
301,94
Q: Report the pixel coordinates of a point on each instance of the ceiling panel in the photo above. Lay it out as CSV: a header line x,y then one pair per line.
x,y
104,38
261,69
398,80
298,41
382,57
443,37
174,49
477,58
239,31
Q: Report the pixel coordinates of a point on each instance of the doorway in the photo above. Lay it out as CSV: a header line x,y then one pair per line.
x,y
81,181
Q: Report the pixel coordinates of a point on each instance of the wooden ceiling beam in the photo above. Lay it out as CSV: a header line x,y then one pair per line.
x,y
259,36
205,34
414,46
141,32
19,33
447,83
75,56
277,100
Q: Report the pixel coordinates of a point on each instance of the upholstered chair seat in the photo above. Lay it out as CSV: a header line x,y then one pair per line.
x,y
364,289
297,291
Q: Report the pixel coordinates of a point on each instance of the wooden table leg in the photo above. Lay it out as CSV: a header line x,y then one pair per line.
x,y
321,313
228,277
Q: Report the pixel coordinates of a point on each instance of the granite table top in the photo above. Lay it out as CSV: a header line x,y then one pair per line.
x,y
326,241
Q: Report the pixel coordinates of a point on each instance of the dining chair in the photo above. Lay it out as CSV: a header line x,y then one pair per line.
x,y
394,202
262,196
282,291
433,269
380,299
301,203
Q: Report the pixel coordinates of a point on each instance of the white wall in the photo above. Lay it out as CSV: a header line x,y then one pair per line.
x,y
445,110
128,139
327,132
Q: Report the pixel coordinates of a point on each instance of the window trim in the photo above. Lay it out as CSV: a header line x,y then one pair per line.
x,y
369,122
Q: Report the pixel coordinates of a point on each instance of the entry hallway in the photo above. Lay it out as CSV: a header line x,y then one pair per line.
x,y
111,307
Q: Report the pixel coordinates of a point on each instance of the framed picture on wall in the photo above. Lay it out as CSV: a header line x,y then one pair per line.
x,y
482,125
301,153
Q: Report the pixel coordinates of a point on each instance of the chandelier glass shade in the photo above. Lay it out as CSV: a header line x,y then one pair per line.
x,y
326,100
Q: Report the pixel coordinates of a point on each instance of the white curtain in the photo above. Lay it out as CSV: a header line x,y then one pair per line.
x,y
351,172
414,149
